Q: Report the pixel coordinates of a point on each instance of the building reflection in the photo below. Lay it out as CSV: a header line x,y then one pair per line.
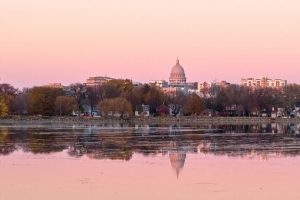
x,y
177,152
177,159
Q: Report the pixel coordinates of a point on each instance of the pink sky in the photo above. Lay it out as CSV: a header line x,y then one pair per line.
x,y
67,41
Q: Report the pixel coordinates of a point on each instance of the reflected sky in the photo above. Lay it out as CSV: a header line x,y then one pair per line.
x,y
149,161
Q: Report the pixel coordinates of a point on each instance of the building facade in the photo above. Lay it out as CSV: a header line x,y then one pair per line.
x,y
54,85
209,89
98,80
159,83
263,81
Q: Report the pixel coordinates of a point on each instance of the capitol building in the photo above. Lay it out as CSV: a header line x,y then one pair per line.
x,y
177,77
177,81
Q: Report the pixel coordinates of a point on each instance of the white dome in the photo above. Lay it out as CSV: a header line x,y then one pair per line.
x,y
177,77
177,69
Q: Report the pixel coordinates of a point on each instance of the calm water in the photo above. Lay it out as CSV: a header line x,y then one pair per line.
x,y
141,161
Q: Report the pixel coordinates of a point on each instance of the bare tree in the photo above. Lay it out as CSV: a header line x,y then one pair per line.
x,y
176,101
78,90
22,104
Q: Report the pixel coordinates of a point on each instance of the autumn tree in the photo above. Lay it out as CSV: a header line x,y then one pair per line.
x,y
150,95
65,105
194,104
43,99
122,106
4,110
110,91
123,85
133,97
9,93
154,97
117,105
104,106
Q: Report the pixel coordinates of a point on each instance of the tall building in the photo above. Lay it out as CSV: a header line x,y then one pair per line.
x,y
209,89
98,80
263,81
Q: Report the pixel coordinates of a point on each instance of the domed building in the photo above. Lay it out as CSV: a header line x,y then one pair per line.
x,y
177,78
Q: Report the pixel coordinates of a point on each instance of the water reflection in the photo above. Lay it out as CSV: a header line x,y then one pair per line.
x,y
121,141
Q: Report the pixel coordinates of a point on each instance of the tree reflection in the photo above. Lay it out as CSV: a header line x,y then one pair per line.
x,y
121,141
7,144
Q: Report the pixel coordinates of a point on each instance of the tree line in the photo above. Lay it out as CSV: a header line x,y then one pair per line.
x,y
246,100
120,96
116,96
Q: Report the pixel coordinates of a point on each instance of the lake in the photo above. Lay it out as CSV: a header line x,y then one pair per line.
x,y
150,161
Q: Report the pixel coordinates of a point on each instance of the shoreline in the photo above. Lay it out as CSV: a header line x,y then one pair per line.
x,y
151,120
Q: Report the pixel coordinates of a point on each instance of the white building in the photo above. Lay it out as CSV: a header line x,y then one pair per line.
x,y
98,80
177,77
209,89
263,81
159,83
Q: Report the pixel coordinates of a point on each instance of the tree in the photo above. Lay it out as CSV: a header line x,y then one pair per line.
x,y
176,101
133,97
65,105
78,90
117,105
43,99
122,106
4,110
9,93
151,95
92,96
104,106
7,89
22,104
123,85
290,95
194,104
154,97
110,91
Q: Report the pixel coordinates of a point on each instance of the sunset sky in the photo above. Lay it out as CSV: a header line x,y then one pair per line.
x,y
67,41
